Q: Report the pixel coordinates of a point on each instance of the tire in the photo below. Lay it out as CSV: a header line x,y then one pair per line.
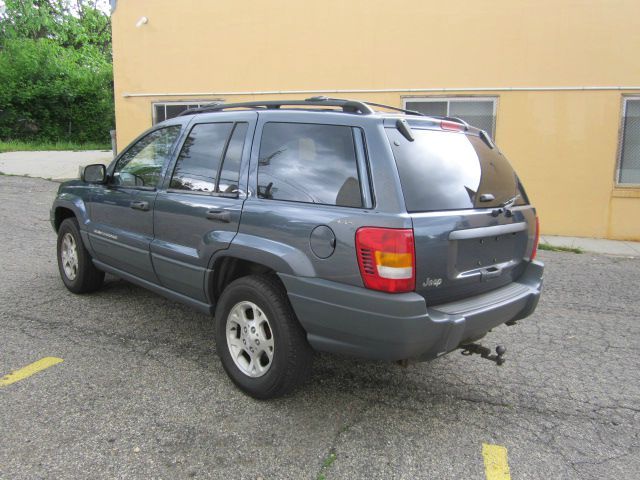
x,y
78,273
256,309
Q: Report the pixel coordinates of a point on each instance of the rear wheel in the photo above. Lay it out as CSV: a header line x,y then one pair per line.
x,y
262,346
74,262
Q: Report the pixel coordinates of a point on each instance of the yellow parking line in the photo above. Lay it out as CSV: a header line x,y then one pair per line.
x,y
496,466
29,370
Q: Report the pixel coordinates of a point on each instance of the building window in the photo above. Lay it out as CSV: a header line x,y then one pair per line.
x,y
629,166
477,111
166,110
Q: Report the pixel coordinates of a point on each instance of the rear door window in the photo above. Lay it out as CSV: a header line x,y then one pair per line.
x,y
230,171
309,163
450,171
199,161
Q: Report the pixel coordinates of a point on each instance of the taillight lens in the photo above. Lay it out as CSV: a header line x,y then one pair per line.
x,y
387,258
537,240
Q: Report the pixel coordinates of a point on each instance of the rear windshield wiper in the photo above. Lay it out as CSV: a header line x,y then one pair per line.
x,y
510,202
504,207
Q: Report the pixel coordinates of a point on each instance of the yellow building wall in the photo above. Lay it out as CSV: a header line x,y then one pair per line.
x,y
564,147
563,143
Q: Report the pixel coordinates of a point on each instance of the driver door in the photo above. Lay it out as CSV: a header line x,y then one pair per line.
x,y
122,210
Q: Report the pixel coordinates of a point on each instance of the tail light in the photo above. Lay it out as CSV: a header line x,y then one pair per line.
x,y
387,258
537,240
449,125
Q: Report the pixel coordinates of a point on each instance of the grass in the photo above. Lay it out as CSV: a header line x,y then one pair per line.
x,y
328,461
20,146
554,248
2,174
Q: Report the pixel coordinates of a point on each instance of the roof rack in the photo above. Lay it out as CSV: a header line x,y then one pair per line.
x,y
348,106
396,109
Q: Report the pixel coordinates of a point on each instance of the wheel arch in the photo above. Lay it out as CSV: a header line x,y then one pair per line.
x,y
228,268
67,206
60,215
71,206
248,255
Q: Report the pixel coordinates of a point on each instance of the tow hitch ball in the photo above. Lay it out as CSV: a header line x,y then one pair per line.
x,y
485,352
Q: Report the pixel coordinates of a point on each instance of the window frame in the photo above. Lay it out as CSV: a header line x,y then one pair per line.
x,y
234,124
176,142
235,194
459,98
621,135
360,156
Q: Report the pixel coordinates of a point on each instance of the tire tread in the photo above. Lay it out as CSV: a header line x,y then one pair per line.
x,y
299,353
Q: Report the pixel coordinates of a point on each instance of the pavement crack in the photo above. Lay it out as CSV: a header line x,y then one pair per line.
x,y
332,455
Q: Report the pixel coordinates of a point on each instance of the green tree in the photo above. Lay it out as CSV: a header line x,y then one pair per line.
x,y
55,71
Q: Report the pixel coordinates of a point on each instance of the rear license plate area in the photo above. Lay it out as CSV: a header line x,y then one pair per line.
x,y
478,253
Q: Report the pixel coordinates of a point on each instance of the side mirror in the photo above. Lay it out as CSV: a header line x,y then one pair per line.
x,y
96,173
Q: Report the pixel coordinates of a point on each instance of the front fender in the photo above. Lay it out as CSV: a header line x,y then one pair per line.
x,y
72,202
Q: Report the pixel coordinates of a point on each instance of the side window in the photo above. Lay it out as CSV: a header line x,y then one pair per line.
x,y
309,163
141,165
199,161
230,173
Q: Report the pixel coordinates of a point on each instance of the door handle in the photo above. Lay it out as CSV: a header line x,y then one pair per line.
x,y
140,205
219,215
491,272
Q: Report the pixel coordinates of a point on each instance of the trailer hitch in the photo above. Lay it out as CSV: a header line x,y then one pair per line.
x,y
484,352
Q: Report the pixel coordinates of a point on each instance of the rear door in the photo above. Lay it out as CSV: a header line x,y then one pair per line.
x,y
198,211
310,192
473,226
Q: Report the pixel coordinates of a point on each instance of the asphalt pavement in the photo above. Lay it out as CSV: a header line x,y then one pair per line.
x,y
140,392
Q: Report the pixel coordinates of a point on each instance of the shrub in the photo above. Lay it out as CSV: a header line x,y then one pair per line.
x,y
56,83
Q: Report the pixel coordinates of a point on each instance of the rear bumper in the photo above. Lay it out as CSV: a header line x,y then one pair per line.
x,y
351,320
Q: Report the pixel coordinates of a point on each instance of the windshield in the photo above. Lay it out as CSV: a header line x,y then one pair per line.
x,y
442,170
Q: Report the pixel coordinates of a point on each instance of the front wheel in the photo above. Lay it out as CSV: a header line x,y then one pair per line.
x,y
263,348
74,262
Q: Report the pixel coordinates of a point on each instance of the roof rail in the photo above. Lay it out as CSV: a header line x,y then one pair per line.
x,y
348,106
396,109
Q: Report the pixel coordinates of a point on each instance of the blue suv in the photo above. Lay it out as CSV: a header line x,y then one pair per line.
x,y
318,224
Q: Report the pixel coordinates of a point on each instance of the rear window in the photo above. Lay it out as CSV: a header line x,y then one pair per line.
x,y
450,171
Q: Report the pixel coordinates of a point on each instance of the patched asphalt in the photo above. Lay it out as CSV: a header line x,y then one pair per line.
x,y
141,392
